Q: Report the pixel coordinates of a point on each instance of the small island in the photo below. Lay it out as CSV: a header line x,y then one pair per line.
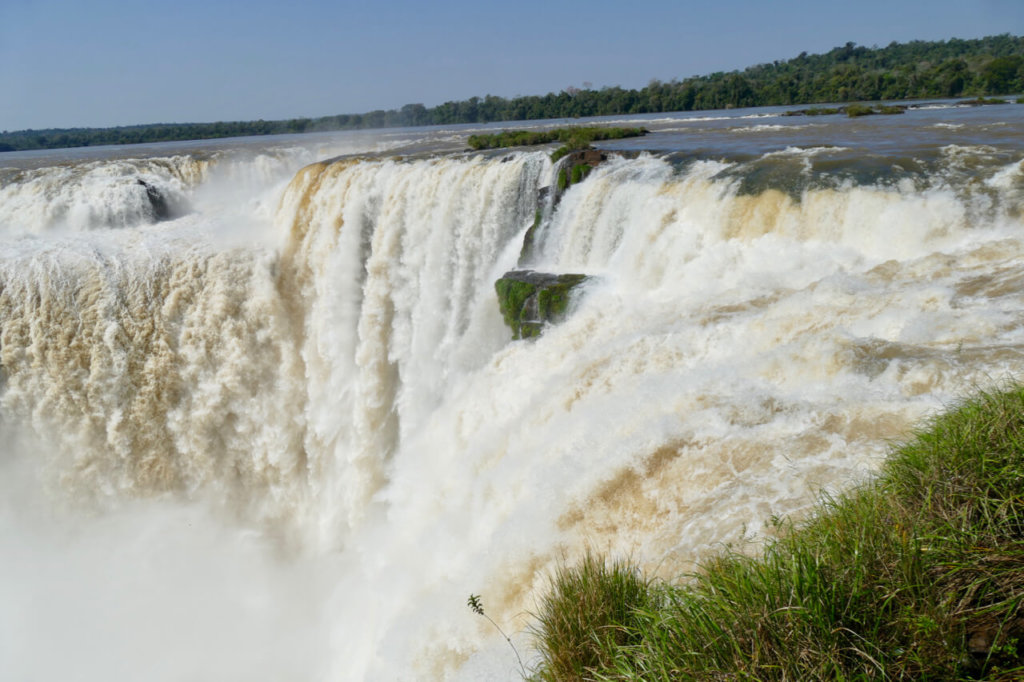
x,y
573,138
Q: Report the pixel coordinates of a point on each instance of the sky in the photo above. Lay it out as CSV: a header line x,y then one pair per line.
x,y
97,63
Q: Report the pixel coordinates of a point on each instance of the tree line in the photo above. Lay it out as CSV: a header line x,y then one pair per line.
x,y
851,73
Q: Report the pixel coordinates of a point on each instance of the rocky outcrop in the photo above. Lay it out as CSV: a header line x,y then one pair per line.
x,y
530,300
157,201
575,166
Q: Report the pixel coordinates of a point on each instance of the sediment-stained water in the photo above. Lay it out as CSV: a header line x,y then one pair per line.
x,y
279,430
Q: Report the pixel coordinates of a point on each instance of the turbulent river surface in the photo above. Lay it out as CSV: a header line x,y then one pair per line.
x,y
262,419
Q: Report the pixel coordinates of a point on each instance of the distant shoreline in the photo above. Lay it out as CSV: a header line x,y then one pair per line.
x,y
951,69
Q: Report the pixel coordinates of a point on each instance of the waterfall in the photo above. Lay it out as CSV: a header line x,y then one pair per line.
x,y
329,413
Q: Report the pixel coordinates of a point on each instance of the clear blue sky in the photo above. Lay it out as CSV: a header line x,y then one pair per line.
x,y
66,63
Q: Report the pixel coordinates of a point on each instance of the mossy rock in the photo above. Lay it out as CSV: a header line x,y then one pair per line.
x,y
530,300
563,180
576,166
579,171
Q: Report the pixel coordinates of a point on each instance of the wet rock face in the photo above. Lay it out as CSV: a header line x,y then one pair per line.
x,y
590,157
531,300
157,201
575,166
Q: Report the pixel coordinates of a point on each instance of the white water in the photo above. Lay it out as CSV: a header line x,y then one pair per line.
x,y
105,193
294,453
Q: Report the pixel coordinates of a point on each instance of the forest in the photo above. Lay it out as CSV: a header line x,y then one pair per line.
x,y
851,73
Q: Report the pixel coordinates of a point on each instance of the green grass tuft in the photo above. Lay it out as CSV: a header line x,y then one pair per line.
x,y
588,615
918,575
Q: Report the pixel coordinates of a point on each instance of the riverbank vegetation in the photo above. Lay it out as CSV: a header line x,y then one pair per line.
x,y
854,110
851,73
917,575
574,138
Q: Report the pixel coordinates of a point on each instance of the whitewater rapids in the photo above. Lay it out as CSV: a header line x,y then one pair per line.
x,y
286,436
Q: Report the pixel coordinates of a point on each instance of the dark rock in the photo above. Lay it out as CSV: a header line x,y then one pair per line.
x,y
156,201
574,167
527,251
530,300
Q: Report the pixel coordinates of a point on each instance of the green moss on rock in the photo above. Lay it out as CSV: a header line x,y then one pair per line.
x,y
563,180
579,171
531,300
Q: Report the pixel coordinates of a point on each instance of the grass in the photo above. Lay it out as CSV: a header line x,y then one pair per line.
x,y
573,138
856,110
983,100
591,614
918,575
851,110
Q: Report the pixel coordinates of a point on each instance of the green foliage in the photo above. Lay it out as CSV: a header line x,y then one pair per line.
x,y
980,101
545,296
576,137
560,152
563,180
1002,75
851,110
919,575
587,616
856,110
512,295
553,300
579,171
511,138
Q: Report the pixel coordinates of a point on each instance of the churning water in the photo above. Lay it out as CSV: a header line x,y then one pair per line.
x,y
262,418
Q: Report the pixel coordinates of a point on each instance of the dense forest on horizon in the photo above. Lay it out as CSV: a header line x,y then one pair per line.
x,y
919,69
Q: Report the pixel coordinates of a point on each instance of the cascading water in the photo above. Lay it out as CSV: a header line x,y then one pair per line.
x,y
294,453
101,194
